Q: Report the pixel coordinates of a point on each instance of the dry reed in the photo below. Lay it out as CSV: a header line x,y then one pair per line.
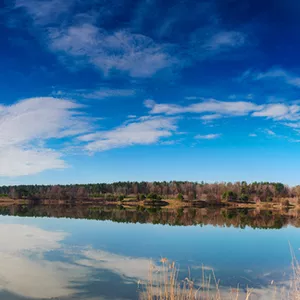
x,y
164,284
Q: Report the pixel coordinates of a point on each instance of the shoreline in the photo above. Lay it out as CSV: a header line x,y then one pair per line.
x,y
165,203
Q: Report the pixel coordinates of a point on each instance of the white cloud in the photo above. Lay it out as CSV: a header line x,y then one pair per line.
x,y
270,132
208,136
144,131
213,41
109,93
38,118
210,109
279,112
238,108
210,117
44,12
76,39
121,50
81,38
218,109
16,161
24,127
98,93
292,125
275,73
27,126
272,111
225,39
253,135
170,142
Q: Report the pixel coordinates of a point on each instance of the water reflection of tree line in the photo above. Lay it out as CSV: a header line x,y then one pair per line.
x,y
241,217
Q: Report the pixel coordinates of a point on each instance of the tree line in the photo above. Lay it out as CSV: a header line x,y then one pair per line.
x,y
181,190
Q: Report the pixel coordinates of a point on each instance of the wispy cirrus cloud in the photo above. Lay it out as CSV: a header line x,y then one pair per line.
x,y
79,42
17,161
98,93
109,93
131,116
279,111
270,132
238,108
45,12
135,54
142,131
81,39
210,109
27,125
210,117
225,40
275,73
273,111
218,109
211,136
214,42
279,73
292,125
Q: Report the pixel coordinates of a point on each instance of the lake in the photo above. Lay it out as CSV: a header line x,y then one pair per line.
x,y
87,252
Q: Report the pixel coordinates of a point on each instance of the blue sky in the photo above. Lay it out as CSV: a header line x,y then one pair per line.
x,y
102,91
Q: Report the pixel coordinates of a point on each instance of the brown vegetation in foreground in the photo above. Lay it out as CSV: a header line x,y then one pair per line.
x,y
164,284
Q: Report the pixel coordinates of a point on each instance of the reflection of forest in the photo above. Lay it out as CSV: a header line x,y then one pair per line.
x,y
182,216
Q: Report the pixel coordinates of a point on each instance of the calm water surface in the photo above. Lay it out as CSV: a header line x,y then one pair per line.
x,y
59,258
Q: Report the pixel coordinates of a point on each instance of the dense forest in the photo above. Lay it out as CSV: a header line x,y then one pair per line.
x,y
182,190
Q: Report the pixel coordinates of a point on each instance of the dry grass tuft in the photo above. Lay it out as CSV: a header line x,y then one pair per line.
x,y
163,284
294,293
